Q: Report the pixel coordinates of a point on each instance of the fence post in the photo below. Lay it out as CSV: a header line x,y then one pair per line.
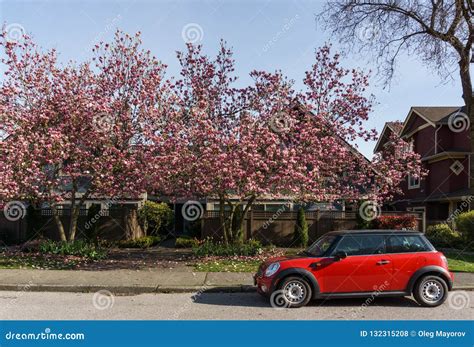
x,y
423,221
317,224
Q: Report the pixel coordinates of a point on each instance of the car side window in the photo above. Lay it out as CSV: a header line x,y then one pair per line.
x,y
406,244
361,245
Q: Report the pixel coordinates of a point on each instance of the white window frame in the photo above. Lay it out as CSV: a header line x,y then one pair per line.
x,y
413,186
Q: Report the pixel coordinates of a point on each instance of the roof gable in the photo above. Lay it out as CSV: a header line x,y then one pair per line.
x,y
425,116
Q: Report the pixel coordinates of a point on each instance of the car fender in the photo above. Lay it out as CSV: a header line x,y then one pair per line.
x,y
296,272
429,269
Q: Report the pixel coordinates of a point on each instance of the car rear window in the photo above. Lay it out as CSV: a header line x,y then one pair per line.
x,y
407,244
361,244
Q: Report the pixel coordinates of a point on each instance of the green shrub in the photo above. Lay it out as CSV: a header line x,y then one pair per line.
x,y
442,235
155,217
465,225
300,238
208,248
186,242
141,242
79,248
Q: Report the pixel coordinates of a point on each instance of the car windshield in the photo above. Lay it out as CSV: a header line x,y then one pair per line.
x,y
320,246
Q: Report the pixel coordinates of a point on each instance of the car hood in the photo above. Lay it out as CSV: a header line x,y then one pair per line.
x,y
282,258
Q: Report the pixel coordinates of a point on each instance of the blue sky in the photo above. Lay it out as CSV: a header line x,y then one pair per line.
x,y
264,34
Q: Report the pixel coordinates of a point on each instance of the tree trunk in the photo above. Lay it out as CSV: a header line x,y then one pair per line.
x,y
132,227
233,226
59,223
466,83
222,218
73,224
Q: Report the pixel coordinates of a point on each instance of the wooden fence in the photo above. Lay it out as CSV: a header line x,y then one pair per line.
x,y
278,227
108,224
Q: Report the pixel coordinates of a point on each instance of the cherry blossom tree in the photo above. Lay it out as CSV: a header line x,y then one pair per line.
x,y
74,130
241,144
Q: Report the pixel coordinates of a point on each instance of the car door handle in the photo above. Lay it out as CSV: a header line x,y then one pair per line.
x,y
383,262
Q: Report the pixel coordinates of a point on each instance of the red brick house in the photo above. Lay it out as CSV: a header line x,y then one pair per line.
x,y
444,149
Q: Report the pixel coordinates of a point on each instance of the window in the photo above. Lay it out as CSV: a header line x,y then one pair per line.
x,y
320,246
407,244
361,245
413,182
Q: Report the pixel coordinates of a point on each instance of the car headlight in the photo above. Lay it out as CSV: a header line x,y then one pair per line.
x,y
445,261
272,269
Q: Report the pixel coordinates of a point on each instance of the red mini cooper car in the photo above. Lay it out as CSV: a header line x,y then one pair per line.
x,y
361,263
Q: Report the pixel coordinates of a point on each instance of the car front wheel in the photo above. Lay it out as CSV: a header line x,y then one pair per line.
x,y
431,291
292,292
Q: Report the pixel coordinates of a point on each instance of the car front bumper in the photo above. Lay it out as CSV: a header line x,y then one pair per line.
x,y
263,284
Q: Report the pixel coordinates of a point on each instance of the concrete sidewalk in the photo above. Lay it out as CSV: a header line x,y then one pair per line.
x,y
144,281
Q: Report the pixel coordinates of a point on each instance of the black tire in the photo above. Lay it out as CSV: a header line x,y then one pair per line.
x,y
430,291
292,292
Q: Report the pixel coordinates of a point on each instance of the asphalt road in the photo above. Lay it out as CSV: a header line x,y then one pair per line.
x,y
47,306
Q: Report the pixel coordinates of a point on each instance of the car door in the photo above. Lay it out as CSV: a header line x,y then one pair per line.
x,y
408,254
365,269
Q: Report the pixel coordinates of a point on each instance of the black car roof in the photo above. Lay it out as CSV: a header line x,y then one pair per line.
x,y
374,231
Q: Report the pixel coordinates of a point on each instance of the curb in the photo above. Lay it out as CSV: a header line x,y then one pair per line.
x,y
127,290
135,290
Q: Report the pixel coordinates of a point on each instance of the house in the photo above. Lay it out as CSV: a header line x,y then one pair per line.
x,y
443,144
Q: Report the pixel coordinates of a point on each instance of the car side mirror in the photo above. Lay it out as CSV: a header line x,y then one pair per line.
x,y
340,255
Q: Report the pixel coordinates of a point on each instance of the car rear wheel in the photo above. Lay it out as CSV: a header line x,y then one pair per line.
x,y
431,291
292,292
